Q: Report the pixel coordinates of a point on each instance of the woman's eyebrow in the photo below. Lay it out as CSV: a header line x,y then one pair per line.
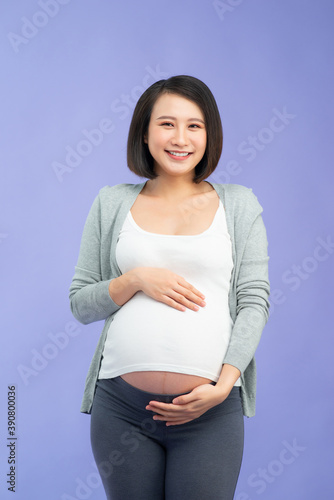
x,y
173,118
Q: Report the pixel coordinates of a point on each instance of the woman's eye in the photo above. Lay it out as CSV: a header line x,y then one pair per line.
x,y
169,124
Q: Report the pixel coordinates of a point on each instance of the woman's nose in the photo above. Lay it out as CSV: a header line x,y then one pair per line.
x,y
180,137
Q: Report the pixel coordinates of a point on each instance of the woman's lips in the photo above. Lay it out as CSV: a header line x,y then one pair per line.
x,y
179,155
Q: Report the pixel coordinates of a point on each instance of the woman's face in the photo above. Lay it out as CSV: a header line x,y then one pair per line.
x,y
176,136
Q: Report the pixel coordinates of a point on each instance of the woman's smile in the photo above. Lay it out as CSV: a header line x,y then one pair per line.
x,y
178,155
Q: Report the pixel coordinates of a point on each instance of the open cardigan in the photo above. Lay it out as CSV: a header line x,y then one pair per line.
x,y
249,287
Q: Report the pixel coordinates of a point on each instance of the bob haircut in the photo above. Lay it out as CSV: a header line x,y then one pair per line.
x,y
139,158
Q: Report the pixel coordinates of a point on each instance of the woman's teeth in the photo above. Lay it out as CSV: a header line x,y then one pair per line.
x,y
178,154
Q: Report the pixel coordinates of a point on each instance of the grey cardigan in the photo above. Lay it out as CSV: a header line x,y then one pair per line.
x,y
249,288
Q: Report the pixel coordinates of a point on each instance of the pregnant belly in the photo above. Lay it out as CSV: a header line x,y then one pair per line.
x,y
159,349
164,382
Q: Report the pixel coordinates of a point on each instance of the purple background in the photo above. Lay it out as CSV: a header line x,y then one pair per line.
x,y
88,61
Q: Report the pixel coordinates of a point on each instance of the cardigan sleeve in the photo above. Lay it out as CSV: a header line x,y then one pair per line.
x,y
89,295
252,293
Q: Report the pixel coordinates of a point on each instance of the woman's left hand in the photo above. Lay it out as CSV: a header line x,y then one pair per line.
x,y
189,406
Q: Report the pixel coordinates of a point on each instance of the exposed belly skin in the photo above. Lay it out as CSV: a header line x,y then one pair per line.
x,y
164,382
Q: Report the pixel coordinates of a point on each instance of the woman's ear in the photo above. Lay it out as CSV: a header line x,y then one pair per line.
x,y
145,138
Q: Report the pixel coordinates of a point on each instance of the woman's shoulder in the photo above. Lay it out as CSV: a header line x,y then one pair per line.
x,y
234,189
119,189
118,192
238,196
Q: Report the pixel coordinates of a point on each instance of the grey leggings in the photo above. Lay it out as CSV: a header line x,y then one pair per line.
x,y
142,459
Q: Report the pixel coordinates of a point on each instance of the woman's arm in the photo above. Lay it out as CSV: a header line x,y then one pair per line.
x,y
252,293
228,377
89,295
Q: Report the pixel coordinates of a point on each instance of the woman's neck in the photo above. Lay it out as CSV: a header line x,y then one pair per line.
x,y
173,190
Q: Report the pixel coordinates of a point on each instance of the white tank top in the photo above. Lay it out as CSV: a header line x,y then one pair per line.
x,y
147,335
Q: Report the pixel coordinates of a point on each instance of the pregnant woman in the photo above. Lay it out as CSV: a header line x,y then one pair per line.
x,y
178,269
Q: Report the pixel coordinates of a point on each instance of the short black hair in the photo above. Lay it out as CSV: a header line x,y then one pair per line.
x,y
139,158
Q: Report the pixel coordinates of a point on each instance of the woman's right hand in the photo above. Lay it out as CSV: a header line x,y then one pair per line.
x,y
165,286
